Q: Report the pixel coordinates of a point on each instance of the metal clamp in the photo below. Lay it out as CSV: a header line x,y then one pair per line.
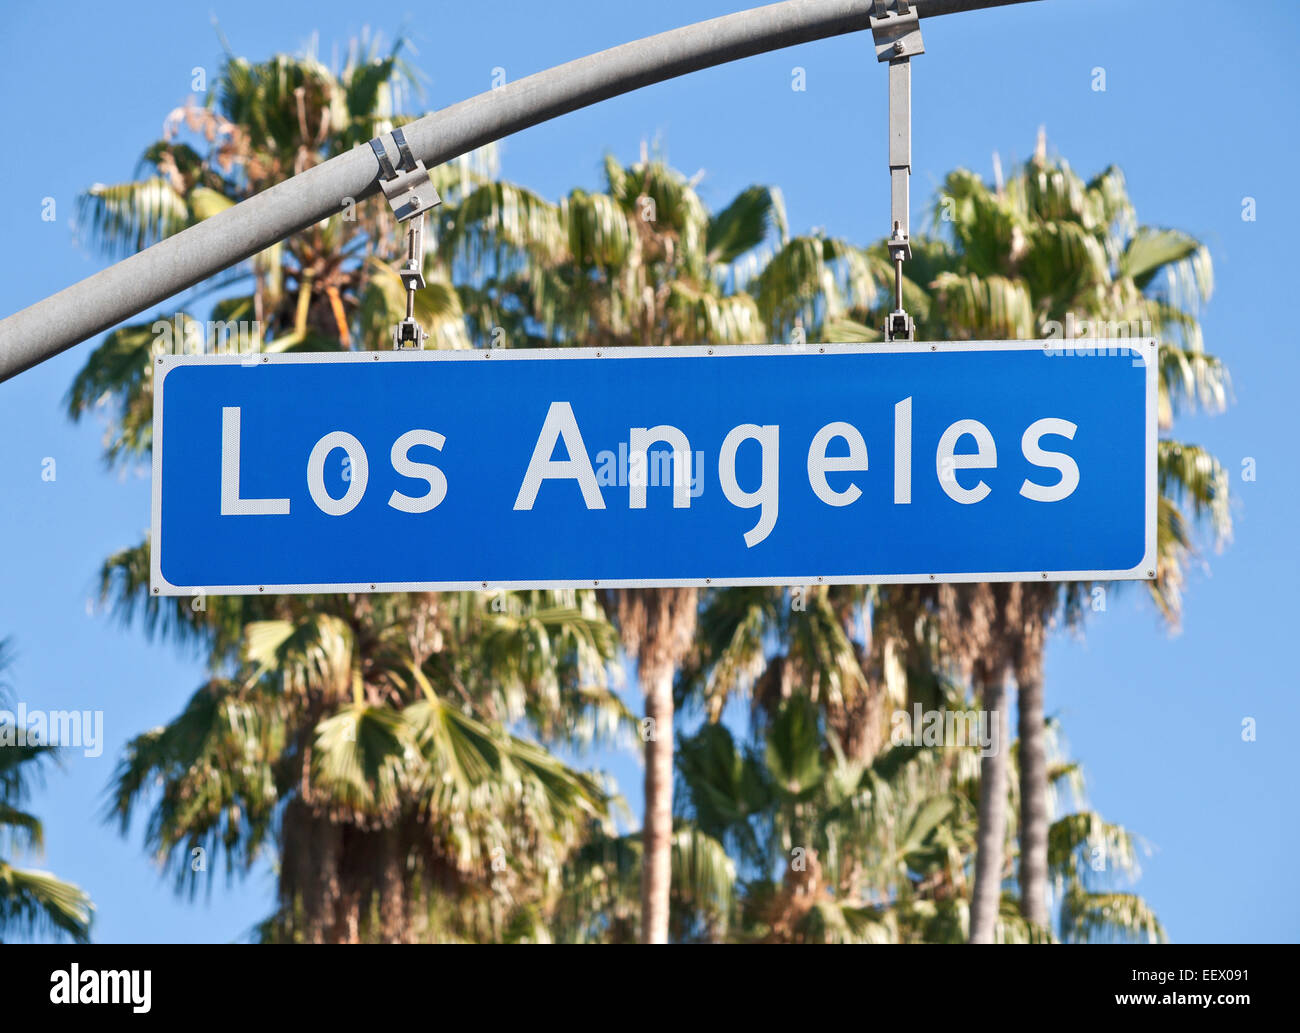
x,y
896,32
407,187
410,194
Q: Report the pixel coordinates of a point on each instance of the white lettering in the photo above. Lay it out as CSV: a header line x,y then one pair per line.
x,y
903,452
640,442
947,462
560,423
231,503
360,468
820,464
767,492
1036,454
407,467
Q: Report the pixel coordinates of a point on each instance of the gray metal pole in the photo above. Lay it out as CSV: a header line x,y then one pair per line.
x,y
145,279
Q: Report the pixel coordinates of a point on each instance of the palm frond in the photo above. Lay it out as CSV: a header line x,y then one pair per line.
x,y
754,215
38,902
129,217
1115,917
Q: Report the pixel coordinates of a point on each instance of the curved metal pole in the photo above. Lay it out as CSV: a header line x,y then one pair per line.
x,y
135,284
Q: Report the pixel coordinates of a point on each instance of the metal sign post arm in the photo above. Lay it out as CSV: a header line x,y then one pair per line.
x,y
136,283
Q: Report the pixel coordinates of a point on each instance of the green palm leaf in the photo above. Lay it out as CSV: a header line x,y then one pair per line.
x,y
1119,917
129,217
38,902
794,748
755,214
362,758
1152,250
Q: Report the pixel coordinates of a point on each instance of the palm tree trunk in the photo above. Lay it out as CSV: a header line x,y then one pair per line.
x,y
1033,786
657,830
991,834
657,626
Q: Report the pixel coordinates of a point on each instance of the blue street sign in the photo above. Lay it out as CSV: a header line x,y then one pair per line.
x,y
401,471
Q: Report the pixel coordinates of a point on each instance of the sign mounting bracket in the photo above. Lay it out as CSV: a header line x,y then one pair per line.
x,y
896,32
410,194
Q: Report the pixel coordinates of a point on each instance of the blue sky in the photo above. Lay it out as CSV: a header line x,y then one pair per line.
x,y
1196,125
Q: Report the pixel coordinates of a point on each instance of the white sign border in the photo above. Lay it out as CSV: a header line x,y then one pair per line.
x,y
1144,348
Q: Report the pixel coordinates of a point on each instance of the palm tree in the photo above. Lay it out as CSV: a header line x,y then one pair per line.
x,y
1047,249
367,739
978,623
844,658
328,287
351,710
641,263
831,849
1009,260
31,901
372,742
601,900
658,626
